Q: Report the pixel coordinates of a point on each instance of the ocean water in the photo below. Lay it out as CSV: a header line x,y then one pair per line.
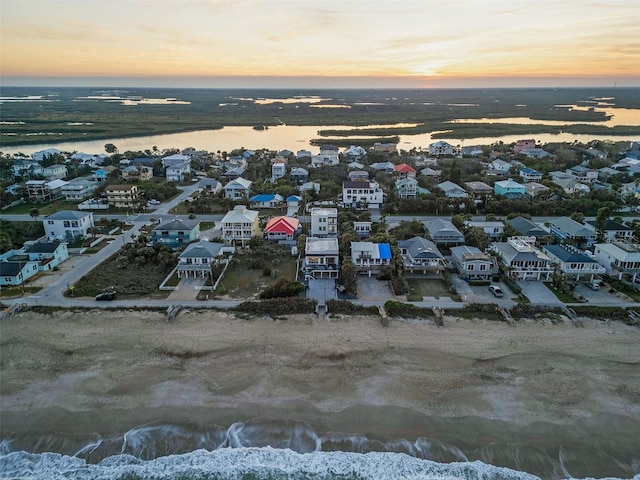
x,y
262,448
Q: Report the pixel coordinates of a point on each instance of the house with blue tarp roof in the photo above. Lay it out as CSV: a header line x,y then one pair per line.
x,y
266,200
369,257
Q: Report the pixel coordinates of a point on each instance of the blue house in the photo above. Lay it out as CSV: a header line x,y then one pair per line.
x,y
509,189
176,233
100,175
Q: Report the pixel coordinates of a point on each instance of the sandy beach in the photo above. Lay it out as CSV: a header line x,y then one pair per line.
x,y
108,371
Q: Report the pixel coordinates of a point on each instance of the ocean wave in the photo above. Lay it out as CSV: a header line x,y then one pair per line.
x,y
250,463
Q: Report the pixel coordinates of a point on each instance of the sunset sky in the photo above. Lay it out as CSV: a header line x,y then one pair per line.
x,y
320,43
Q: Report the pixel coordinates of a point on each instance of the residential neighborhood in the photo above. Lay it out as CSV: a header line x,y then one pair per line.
x,y
339,220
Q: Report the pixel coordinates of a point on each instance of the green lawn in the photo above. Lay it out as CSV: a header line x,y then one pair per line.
x,y
45,209
17,291
563,297
242,282
427,287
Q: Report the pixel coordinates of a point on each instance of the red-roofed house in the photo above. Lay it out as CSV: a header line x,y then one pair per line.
x,y
405,170
281,228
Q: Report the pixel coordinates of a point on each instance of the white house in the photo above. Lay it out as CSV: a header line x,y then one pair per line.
x,y
620,259
198,257
500,165
324,222
452,190
368,193
522,260
574,263
278,168
47,152
237,189
78,189
321,258
355,152
442,148
54,172
176,172
493,229
329,155
175,159
368,257
67,225
421,255
473,265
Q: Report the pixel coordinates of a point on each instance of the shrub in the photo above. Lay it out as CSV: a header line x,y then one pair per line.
x,y
513,286
405,310
266,272
348,308
282,288
278,306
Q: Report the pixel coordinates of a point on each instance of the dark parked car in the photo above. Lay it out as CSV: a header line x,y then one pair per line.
x,y
108,296
496,290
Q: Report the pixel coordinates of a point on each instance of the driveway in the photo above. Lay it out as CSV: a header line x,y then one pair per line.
x,y
372,290
480,293
538,293
187,290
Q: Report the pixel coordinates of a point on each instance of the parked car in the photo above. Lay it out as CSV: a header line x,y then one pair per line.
x,y
106,296
496,290
593,285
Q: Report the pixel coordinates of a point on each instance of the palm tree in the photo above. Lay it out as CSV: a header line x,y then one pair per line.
x,y
35,213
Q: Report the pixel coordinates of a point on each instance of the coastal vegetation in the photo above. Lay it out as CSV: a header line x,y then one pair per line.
x,y
70,114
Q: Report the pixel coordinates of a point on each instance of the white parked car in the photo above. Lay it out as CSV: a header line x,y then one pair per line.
x,y
496,290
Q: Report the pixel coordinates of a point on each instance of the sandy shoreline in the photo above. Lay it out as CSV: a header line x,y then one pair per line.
x,y
110,371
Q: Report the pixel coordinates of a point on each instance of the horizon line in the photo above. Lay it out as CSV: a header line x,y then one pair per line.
x,y
322,82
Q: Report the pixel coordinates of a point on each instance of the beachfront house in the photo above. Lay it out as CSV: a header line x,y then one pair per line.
x,y
573,262
420,255
408,188
369,257
197,259
321,258
530,175
473,265
620,259
612,230
178,172
521,260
